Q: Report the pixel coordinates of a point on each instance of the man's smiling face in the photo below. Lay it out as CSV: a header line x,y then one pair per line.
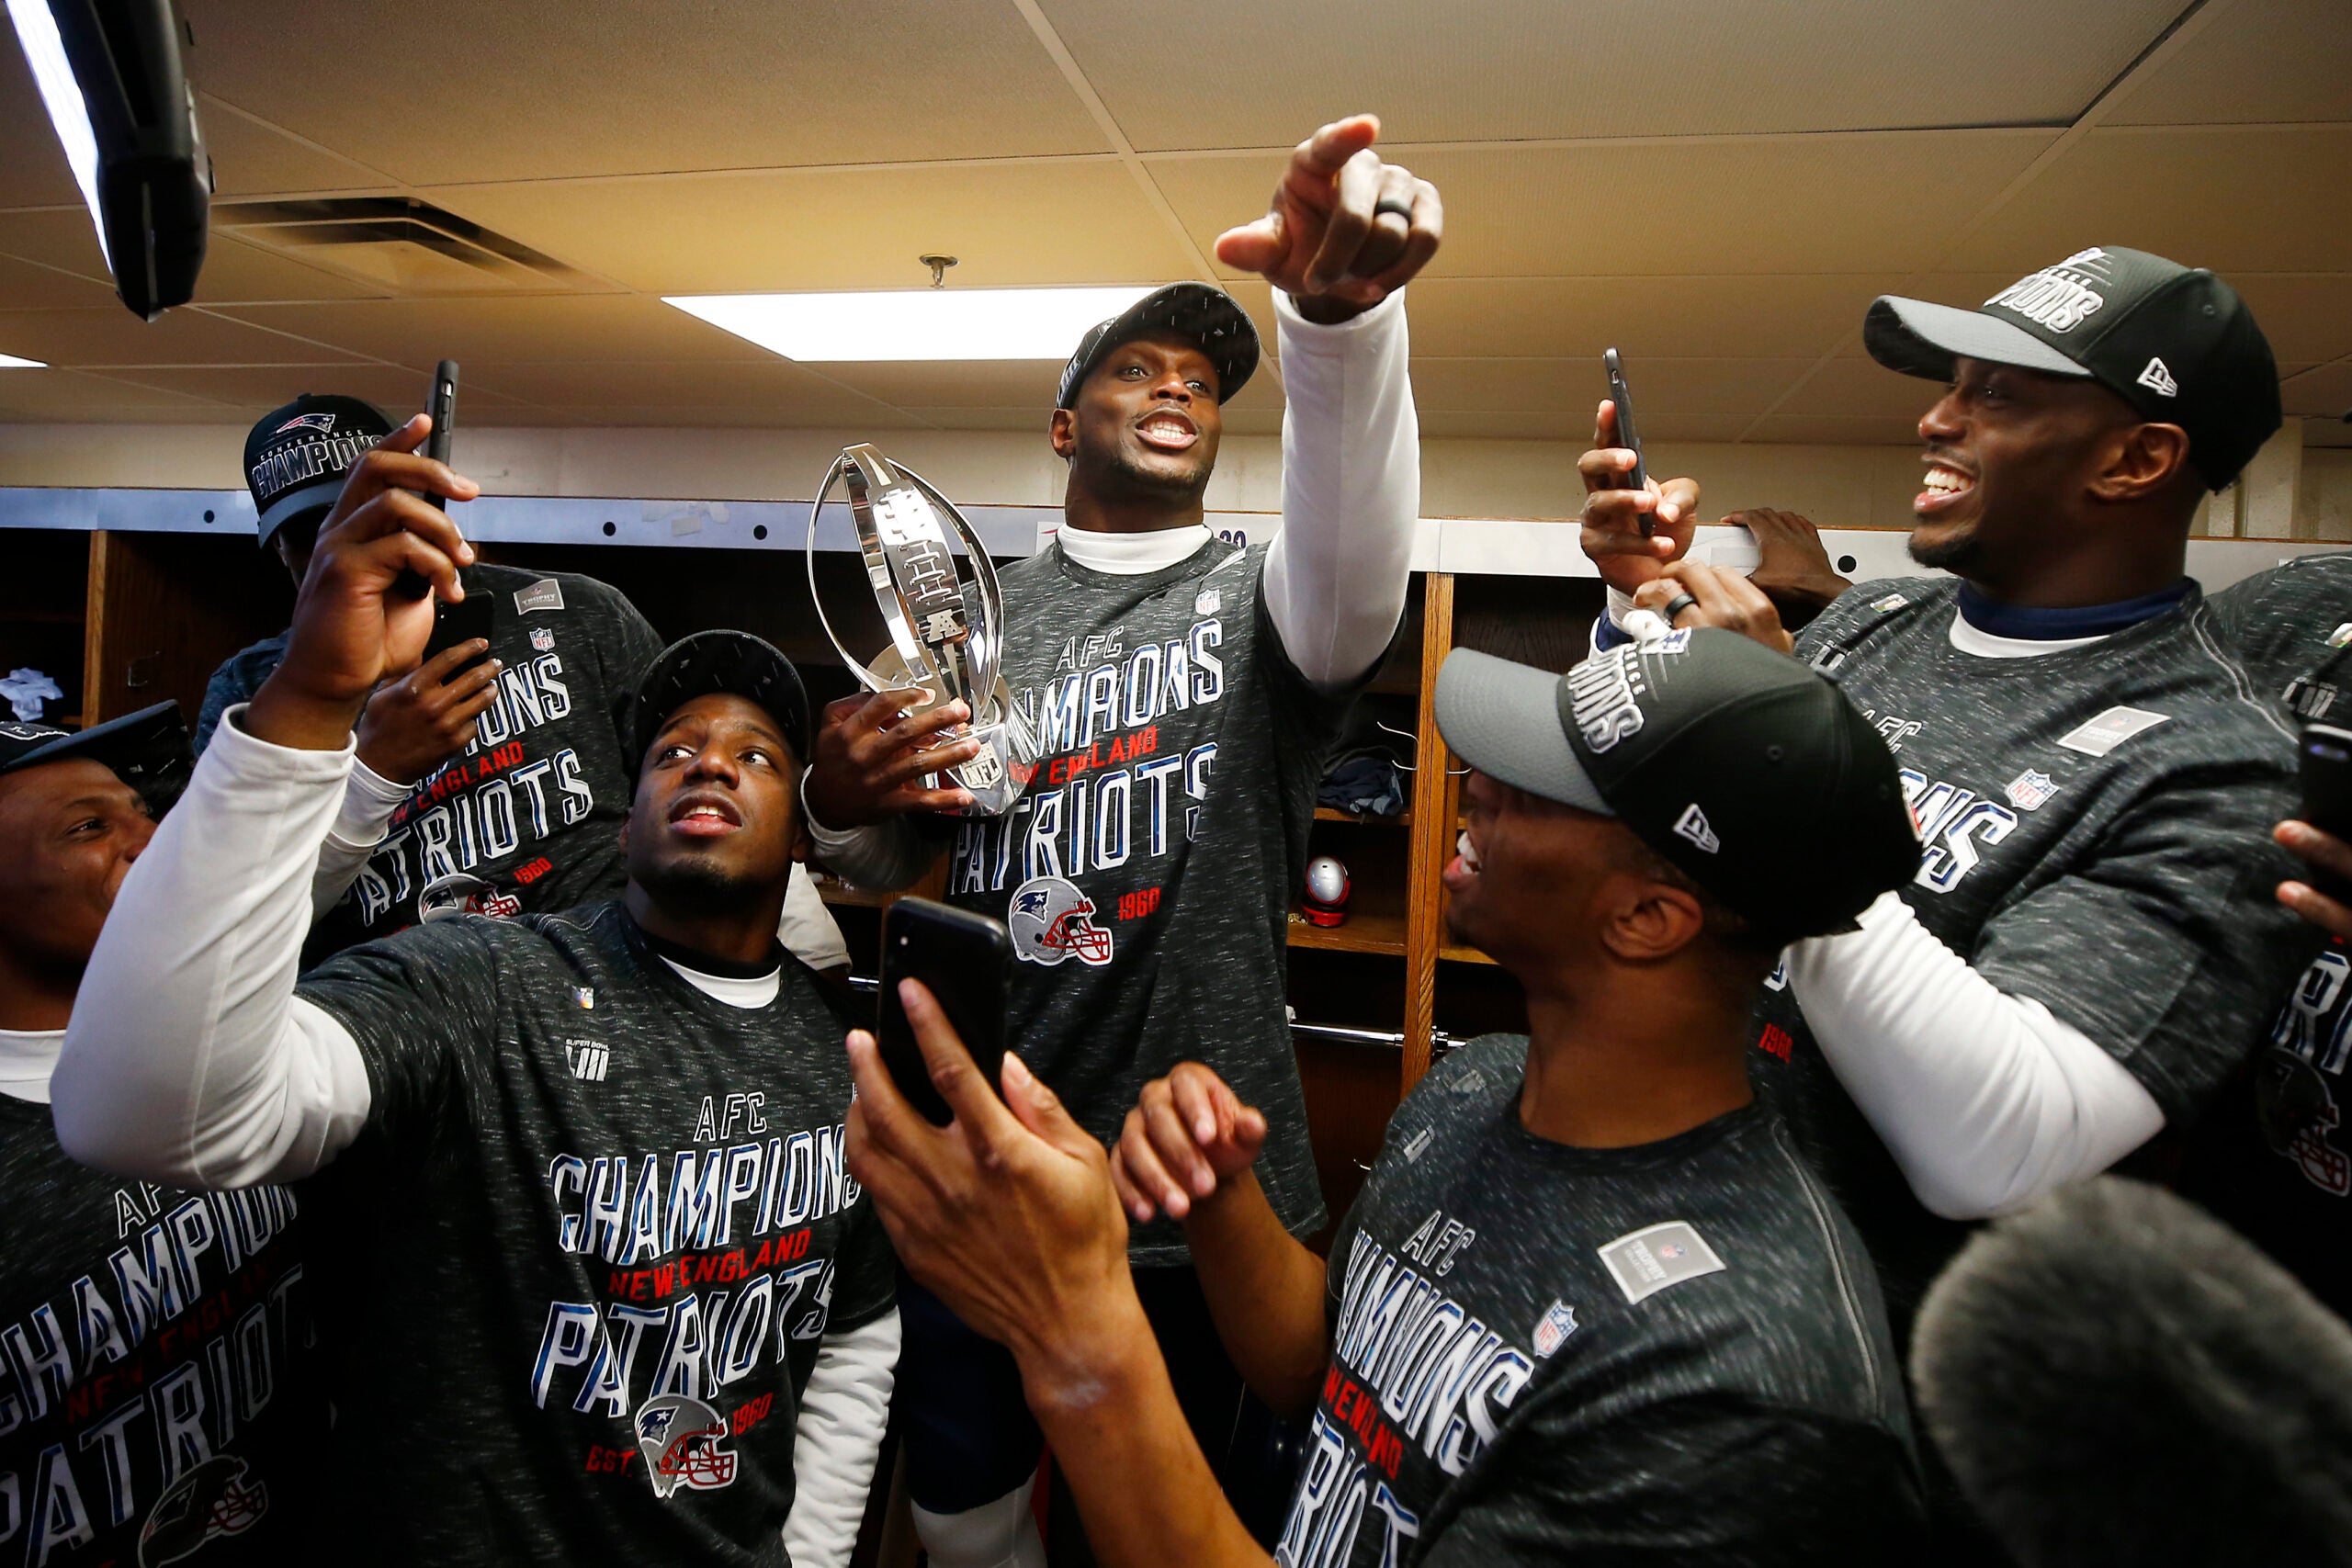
x,y
1145,420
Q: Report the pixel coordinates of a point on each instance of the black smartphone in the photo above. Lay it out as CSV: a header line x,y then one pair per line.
x,y
1628,432
443,406
475,616
965,958
2327,779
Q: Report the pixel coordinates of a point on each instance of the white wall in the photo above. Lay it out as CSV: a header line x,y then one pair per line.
x,y
1837,486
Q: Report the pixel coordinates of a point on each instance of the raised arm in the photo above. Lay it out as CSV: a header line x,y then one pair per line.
x,y
1341,237
1187,1148
189,1058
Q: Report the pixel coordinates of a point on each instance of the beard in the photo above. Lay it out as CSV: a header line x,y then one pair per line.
x,y
1119,473
700,882
1956,553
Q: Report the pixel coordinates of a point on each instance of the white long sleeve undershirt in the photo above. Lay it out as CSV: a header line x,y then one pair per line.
x,y
1985,1100
843,1412
1337,572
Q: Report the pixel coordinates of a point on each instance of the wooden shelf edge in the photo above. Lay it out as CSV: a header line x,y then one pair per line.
x,y
1333,813
1379,934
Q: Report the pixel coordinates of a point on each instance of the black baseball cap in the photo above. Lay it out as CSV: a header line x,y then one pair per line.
x,y
2175,342
1753,774
1209,316
147,750
711,661
296,456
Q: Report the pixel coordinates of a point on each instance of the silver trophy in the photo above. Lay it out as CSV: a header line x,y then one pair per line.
x,y
947,630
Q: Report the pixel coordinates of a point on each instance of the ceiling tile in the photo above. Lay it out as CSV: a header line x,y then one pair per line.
x,y
1522,69
2260,62
59,237
529,331
25,286
1824,204
113,336
2305,318
1731,317
63,395
1011,224
238,274
251,158
2324,393
1663,390
1030,420
2326,433
532,90
2265,199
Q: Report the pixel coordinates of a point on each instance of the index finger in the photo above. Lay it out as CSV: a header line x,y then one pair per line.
x,y
953,1072
440,666
1325,151
891,1122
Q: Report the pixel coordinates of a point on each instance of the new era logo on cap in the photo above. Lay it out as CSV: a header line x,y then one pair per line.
x,y
2158,379
1693,825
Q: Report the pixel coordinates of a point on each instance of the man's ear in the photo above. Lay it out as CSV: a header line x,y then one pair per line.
x,y
1062,431
2142,461
1648,922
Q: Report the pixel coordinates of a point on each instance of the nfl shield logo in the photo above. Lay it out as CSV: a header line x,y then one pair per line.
x,y
1553,1331
542,638
1207,601
2031,789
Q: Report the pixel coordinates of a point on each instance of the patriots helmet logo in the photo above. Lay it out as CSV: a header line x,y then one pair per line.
x,y
306,422
217,1497
681,1440
1051,921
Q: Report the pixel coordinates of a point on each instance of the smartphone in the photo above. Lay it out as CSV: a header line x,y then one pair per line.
x,y
1628,432
475,616
443,406
965,958
2327,779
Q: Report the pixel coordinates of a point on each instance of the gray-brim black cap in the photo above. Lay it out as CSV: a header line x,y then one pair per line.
x,y
1209,316
1753,775
2173,342
147,750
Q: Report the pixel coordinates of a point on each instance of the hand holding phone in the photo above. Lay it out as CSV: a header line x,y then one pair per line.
x,y
1628,433
2326,773
964,959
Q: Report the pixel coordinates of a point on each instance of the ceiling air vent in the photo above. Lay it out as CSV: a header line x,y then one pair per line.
x,y
408,247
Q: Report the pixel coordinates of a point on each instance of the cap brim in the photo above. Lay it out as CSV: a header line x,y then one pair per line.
x,y
147,750
294,502
1208,315
1504,720
1921,338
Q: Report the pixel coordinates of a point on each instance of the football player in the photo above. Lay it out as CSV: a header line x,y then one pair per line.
x,y
1592,1305
2089,945
1184,689
576,1180
155,1393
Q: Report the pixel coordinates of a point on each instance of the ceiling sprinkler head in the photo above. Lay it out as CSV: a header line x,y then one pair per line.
x,y
939,265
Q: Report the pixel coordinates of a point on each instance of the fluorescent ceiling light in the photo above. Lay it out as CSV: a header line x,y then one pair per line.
x,y
913,323
10,361
45,53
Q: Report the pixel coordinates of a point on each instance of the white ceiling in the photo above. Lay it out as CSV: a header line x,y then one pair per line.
x,y
1717,186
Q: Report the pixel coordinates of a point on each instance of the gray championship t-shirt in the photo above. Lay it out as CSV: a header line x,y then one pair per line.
x,y
1147,871
156,1400
1669,1353
2274,1158
2096,829
534,804
574,1271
